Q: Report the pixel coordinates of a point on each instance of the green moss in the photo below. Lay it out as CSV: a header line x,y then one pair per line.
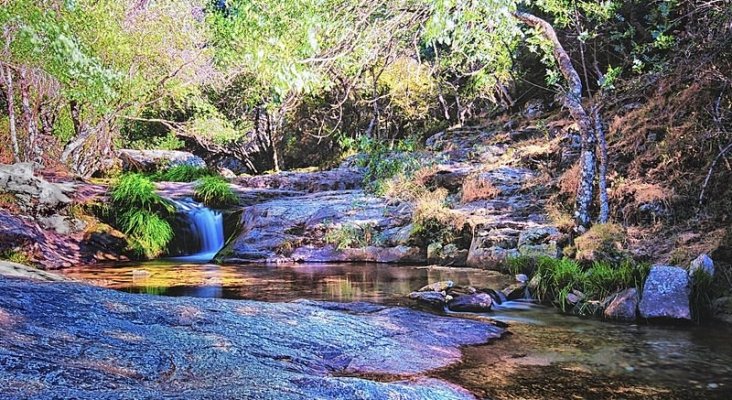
x,y
215,191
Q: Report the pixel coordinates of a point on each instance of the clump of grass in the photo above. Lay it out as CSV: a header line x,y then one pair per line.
x,y
433,221
15,256
352,236
560,277
476,187
214,191
702,295
139,212
182,173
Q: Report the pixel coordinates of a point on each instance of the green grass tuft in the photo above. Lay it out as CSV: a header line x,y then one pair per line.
x,y
139,212
182,173
214,191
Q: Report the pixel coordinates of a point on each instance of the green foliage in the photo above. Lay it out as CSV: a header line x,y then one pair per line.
x,y
214,191
16,256
560,277
182,173
139,212
383,160
352,236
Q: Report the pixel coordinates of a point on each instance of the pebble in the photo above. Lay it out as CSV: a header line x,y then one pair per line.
x,y
712,386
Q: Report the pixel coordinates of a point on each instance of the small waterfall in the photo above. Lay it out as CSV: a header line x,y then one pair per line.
x,y
199,232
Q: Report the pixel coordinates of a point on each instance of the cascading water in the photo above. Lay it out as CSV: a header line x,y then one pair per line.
x,y
199,232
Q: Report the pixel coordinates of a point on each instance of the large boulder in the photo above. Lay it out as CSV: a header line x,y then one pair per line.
x,y
302,229
666,294
622,306
152,160
34,194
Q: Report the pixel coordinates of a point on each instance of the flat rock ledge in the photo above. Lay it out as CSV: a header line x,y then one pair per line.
x,y
71,340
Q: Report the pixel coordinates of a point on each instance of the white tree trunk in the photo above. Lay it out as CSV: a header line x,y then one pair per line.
x,y
573,102
6,74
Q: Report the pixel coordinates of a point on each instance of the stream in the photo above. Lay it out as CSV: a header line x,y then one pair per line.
x,y
546,355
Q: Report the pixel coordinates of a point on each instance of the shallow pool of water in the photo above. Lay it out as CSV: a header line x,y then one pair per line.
x,y
547,355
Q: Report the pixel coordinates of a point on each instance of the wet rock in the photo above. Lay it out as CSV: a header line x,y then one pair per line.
x,y
441,286
431,299
666,294
152,160
723,309
446,255
515,291
328,253
703,263
212,348
622,306
478,302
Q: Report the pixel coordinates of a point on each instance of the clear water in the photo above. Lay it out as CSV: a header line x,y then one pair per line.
x,y
548,355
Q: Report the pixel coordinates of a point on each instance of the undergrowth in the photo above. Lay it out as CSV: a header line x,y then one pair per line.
x,y
214,191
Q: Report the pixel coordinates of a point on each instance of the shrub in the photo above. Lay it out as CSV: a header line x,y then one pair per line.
x,y
139,212
433,221
214,191
352,236
16,256
384,160
182,173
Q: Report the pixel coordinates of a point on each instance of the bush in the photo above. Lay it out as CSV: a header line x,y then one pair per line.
x,y
384,160
433,221
352,236
182,173
214,191
16,256
139,212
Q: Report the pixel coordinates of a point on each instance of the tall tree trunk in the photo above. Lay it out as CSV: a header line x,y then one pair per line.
x,y
573,102
6,74
602,178
32,152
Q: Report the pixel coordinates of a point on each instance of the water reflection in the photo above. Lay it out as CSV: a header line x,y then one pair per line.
x,y
332,282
